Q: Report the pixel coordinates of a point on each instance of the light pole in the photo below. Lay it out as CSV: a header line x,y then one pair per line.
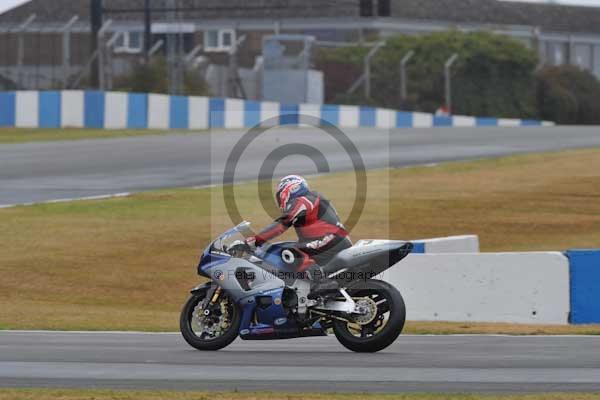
x,y
447,77
403,82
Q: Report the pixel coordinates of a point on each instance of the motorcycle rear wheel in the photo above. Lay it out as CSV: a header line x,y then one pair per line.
x,y
204,341
383,329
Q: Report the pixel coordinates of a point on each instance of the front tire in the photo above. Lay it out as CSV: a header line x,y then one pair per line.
x,y
377,334
190,318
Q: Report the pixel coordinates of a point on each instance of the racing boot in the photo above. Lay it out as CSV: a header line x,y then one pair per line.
x,y
319,283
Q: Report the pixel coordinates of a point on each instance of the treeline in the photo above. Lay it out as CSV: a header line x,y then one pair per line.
x,y
494,76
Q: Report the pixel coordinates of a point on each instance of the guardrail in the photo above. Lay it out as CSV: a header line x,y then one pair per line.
x,y
119,110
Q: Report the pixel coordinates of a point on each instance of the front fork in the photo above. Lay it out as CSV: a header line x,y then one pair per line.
x,y
213,294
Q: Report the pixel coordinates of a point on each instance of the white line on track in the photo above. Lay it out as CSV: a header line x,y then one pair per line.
x,y
98,197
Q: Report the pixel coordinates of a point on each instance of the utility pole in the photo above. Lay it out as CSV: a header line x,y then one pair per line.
x,y
448,78
147,30
96,23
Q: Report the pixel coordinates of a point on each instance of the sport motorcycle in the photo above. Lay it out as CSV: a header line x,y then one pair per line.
x,y
258,294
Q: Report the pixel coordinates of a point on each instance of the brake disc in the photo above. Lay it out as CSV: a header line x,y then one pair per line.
x,y
368,310
212,325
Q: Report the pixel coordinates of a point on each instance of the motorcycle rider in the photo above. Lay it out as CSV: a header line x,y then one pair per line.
x,y
321,234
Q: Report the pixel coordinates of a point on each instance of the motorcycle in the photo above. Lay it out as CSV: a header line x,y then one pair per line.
x,y
258,294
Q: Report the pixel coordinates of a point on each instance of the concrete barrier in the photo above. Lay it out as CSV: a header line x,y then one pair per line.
x,y
450,244
528,288
114,110
585,286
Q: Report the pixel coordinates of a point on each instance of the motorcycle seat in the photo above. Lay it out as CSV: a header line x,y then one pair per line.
x,y
375,256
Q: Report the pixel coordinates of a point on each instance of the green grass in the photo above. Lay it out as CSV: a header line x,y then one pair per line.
x,y
74,394
25,135
128,263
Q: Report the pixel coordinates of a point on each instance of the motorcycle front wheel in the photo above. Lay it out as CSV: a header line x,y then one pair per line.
x,y
380,326
209,327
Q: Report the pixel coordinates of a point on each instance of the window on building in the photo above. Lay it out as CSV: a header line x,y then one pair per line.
x,y
366,8
219,39
582,56
557,53
597,61
211,40
226,39
384,8
129,42
135,40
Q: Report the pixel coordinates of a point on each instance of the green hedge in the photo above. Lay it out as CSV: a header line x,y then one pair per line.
x,y
494,75
154,78
569,95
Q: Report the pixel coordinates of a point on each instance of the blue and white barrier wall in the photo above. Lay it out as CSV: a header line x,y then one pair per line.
x,y
119,110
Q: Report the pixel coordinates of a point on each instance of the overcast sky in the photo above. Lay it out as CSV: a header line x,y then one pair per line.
x,y
7,4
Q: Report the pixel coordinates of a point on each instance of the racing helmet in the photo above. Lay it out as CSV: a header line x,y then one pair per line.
x,y
290,187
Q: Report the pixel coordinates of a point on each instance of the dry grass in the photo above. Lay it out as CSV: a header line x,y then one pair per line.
x,y
68,394
127,263
24,135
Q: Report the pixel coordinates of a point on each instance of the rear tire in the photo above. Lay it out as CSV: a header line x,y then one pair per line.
x,y
207,344
394,324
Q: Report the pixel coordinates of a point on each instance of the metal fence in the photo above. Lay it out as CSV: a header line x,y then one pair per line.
x,y
63,55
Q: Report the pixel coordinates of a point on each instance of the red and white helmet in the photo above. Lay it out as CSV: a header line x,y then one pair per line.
x,y
290,187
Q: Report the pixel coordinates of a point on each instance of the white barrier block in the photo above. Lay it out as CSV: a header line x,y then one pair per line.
x,y
268,110
309,110
198,112
234,113
72,109
349,117
463,121
486,287
115,110
422,120
158,111
548,123
385,119
27,109
509,122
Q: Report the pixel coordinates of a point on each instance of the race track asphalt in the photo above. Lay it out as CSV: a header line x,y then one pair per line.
x,y
413,363
35,172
